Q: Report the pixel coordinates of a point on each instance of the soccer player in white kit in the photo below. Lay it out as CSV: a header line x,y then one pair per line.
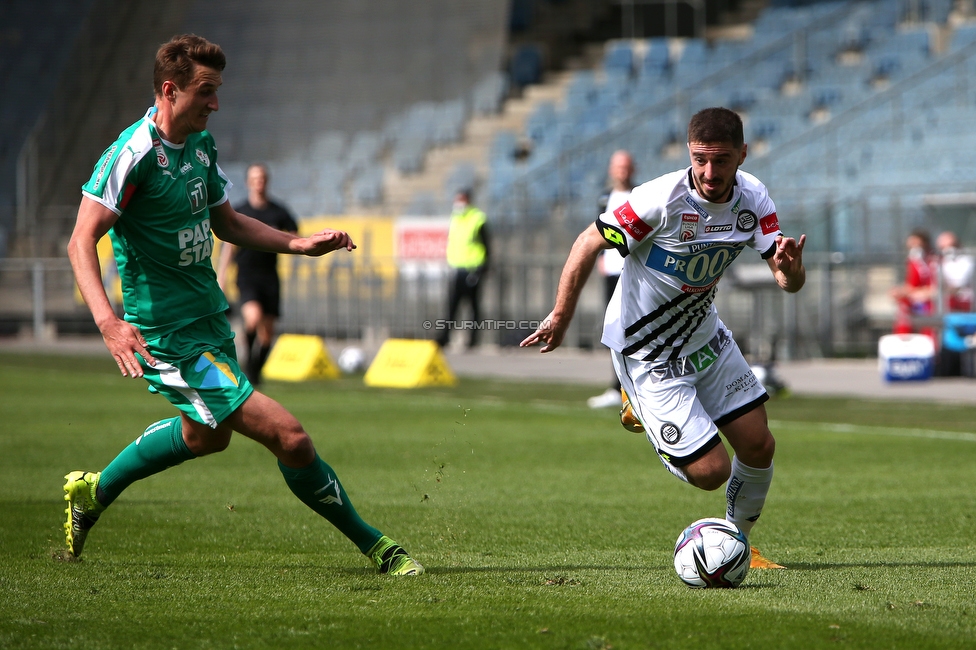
x,y
686,378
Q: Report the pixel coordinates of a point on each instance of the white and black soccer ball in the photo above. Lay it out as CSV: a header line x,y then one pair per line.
x,y
712,553
351,360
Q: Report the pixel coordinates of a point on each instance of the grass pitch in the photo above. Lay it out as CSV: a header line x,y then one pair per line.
x,y
542,524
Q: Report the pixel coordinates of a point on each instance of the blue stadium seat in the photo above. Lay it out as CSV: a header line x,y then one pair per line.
x,y
619,57
525,66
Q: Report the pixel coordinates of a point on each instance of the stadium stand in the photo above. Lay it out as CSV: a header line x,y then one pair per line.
x,y
855,111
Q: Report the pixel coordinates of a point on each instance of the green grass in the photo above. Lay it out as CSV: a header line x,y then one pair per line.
x,y
542,524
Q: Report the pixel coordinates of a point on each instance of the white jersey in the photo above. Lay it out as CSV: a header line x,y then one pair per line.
x,y
676,246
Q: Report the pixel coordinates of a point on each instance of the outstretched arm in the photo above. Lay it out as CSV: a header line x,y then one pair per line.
x,y
577,269
240,230
787,263
122,339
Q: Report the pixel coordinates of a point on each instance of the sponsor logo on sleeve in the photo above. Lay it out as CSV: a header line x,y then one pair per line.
x,y
633,224
746,221
769,224
161,158
203,157
106,159
613,235
689,227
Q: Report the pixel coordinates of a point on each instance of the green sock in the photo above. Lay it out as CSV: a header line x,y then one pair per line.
x,y
161,446
317,486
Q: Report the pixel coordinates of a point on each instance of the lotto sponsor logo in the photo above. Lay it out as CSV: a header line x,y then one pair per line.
x,y
769,224
630,222
689,227
613,236
726,228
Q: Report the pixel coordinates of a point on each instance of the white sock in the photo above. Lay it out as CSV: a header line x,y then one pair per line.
x,y
746,493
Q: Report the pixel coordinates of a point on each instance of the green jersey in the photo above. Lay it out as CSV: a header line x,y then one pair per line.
x,y
162,193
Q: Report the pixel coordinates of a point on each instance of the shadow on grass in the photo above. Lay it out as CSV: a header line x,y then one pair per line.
x,y
512,569
828,566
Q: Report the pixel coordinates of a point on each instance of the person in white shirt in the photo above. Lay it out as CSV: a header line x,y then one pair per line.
x,y
956,268
610,262
686,378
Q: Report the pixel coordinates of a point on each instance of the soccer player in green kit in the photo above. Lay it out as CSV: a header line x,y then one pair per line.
x,y
159,193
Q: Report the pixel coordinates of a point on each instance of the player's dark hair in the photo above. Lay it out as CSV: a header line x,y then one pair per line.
x,y
925,238
175,59
714,125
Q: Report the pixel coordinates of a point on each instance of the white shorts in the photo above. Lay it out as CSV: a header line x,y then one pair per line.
x,y
682,403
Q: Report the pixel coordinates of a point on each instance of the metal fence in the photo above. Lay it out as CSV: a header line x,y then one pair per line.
x,y
840,312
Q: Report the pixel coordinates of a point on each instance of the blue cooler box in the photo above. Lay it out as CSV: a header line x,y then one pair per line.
x,y
906,357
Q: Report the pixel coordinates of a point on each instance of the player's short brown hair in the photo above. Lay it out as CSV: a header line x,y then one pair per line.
x,y
175,59
713,125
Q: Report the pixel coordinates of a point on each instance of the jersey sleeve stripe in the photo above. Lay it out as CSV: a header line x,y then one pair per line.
x,y
101,201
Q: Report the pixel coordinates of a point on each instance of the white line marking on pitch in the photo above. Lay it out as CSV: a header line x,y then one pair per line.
x,y
877,431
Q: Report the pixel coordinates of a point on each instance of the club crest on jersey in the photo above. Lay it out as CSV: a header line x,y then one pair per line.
x,y
203,157
161,158
633,224
769,223
689,227
670,433
746,221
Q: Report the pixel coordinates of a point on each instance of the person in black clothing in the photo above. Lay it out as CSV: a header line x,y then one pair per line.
x,y
257,272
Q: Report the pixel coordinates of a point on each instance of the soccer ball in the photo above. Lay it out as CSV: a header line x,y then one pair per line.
x,y
351,360
712,553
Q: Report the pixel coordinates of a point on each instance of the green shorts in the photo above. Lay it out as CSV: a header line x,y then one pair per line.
x,y
197,371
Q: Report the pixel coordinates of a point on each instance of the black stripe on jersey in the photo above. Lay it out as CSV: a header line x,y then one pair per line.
x,y
771,250
702,311
695,315
698,301
645,320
